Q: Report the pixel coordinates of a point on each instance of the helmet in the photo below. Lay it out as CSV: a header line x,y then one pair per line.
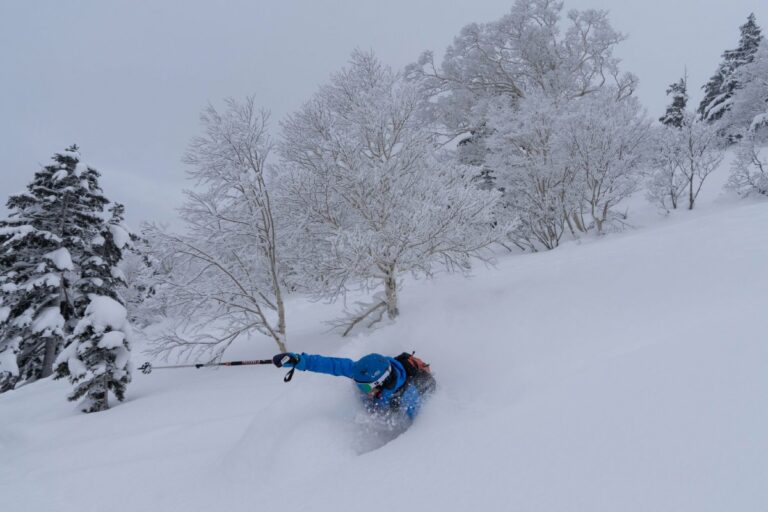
x,y
373,368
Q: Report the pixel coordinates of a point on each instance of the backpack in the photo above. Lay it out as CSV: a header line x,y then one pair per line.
x,y
417,372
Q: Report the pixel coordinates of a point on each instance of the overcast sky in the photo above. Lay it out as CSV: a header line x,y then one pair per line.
x,y
126,79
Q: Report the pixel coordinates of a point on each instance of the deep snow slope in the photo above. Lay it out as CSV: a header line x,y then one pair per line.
x,y
623,374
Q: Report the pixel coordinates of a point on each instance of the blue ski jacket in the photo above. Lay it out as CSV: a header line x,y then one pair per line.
x,y
407,400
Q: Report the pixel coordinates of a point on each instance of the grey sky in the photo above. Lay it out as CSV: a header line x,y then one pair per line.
x,y
126,79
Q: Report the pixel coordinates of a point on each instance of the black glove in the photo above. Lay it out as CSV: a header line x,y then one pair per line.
x,y
287,359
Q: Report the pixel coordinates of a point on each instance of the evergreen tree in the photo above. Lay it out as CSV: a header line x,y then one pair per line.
x,y
676,110
57,255
96,358
749,113
718,91
472,151
40,240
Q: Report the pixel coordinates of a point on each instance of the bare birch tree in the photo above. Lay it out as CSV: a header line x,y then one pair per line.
x,y
701,153
225,270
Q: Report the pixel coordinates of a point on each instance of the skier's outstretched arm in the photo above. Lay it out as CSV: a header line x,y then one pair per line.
x,y
339,366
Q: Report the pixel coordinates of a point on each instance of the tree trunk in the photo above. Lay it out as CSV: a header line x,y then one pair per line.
x,y
690,190
280,339
98,395
51,351
598,225
579,222
390,283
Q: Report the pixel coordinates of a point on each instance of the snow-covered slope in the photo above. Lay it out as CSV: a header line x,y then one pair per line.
x,y
624,374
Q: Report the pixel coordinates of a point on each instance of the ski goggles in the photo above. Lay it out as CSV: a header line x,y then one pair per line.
x,y
368,387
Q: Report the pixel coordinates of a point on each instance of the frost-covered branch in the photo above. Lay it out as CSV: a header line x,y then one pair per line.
x,y
225,271
366,194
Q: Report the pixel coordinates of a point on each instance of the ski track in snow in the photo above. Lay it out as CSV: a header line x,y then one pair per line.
x,y
621,374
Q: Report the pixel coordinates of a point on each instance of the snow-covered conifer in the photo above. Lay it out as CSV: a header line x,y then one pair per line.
x,y
144,277
749,110
748,119
472,151
41,245
58,257
676,109
719,90
368,196
97,354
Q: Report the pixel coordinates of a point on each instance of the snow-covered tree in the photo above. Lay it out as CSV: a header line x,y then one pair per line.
x,y
748,118
701,154
605,141
368,196
525,51
96,357
719,90
568,163
225,270
472,151
683,152
676,109
144,274
749,108
59,256
666,181
682,160
505,87
41,245
538,183
749,171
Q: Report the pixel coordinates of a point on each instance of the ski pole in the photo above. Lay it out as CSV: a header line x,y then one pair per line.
x,y
147,368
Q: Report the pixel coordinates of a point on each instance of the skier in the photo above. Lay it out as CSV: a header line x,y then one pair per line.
x,y
388,385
